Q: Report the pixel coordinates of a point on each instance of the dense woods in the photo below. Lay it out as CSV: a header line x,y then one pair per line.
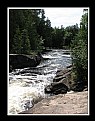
x,y
79,49
30,30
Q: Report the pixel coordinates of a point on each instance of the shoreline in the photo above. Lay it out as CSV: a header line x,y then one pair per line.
x,y
69,103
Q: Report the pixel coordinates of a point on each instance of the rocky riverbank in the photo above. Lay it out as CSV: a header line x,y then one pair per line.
x,y
67,97
70,103
63,83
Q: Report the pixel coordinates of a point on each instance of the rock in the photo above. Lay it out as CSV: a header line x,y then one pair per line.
x,y
73,103
61,83
56,88
58,78
78,87
59,88
62,72
85,89
28,105
67,53
48,89
18,61
70,66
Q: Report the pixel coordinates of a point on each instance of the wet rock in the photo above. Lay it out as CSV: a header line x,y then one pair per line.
x,y
18,61
61,83
64,71
56,88
79,86
28,105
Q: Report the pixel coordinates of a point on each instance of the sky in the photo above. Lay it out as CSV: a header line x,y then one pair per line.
x,y
64,16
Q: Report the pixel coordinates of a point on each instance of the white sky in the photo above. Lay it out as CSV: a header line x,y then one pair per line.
x,y
64,16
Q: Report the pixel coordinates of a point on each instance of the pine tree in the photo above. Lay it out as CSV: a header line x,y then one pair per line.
x,y
79,51
25,42
17,42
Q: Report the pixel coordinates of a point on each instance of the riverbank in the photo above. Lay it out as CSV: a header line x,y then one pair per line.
x,y
70,103
66,97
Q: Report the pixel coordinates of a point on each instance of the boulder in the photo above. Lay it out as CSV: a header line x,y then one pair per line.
x,y
56,88
61,83
79,86
18,61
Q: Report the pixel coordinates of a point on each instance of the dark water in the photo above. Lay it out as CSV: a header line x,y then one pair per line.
x,y
26,85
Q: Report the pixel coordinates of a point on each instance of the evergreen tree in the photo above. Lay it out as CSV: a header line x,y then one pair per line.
x,y
47,33
25,42
58,37
70,33
17,42
79,51
39,31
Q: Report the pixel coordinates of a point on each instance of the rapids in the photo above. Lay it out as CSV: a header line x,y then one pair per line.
x,y
26,86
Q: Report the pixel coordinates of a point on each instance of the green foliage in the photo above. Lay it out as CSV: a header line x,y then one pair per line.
x,y
17,42
34,31
79,51
70,34
25,49
80,60
58,37
40,44
30,31
63,37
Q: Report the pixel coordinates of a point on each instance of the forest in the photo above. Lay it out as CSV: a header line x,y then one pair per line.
x,y
30,31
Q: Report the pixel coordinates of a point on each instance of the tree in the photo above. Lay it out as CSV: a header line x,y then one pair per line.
x,y
47,33
79,51
32,22
25,42
27,20
17,42
16,19
57,37
70,33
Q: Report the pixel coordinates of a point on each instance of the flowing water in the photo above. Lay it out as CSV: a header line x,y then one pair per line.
x,y
26,85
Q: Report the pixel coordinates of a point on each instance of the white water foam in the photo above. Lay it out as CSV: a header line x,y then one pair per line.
x,y
26,85
22,89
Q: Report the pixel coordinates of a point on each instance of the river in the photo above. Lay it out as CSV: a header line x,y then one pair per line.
x,y
26,85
